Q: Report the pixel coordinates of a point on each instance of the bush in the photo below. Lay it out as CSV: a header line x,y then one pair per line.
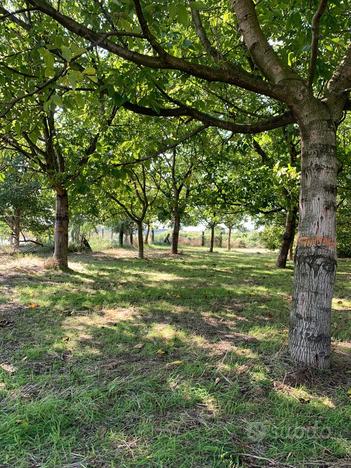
x,y
271,237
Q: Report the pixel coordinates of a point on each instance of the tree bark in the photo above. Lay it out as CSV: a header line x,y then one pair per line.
x,y
152,236
288,237
203,239
175,233
120,235
61,229
229,246
310,334
140,240
131,239
212,238
147,234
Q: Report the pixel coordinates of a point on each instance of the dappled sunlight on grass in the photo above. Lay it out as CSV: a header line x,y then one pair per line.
x,y
164,362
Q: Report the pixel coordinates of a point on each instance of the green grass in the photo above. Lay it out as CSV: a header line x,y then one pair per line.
x,y
167,362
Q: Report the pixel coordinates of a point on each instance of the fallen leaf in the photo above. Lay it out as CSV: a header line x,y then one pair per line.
x,y
139,346
174,363
8,368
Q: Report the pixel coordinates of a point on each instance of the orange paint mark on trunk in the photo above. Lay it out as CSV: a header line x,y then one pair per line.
x,y
311,241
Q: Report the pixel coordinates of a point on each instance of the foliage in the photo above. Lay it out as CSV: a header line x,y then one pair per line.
x,y
343,230
271,236
24,194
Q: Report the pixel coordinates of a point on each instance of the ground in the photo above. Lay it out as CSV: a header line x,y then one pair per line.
x,y
167,362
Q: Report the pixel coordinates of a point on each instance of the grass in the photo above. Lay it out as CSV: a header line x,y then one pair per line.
x,y
166,362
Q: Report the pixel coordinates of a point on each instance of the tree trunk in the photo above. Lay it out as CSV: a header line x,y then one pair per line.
x,y
61,229
120,235
212,238
310,334
229,247
147,234
75,234
16,230
175,233
203,239
131,240
220,239
152,236
140,241
288,237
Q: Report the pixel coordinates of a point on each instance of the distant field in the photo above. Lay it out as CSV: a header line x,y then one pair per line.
x,y
167,362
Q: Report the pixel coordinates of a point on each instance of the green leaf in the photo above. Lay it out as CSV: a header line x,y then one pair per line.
x,y
66,53
93,78
73,77
49,61
118,99
180,13
89,71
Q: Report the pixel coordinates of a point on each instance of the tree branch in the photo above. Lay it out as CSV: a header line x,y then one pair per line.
x,y
340,82
261,152
201,33
164,149
235,76
258,127
13,17
261,51
37,89
146,30
315,40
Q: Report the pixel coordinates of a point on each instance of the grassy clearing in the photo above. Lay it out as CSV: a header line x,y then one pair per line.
x,y
167,362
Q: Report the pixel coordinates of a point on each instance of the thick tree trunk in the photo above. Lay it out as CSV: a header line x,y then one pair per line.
x,y
212,238
175,233
140,241
147,234
203,239
310,334
288,237
121,235
61,229
16,231
229,246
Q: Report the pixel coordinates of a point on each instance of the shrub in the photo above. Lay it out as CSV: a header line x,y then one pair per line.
x,y
271,236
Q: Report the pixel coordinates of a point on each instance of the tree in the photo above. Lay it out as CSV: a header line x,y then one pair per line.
x,y
24,202
174,176
285,170
231,219
315,98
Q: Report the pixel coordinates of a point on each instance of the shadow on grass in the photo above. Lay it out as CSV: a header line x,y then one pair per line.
x,y
166,362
